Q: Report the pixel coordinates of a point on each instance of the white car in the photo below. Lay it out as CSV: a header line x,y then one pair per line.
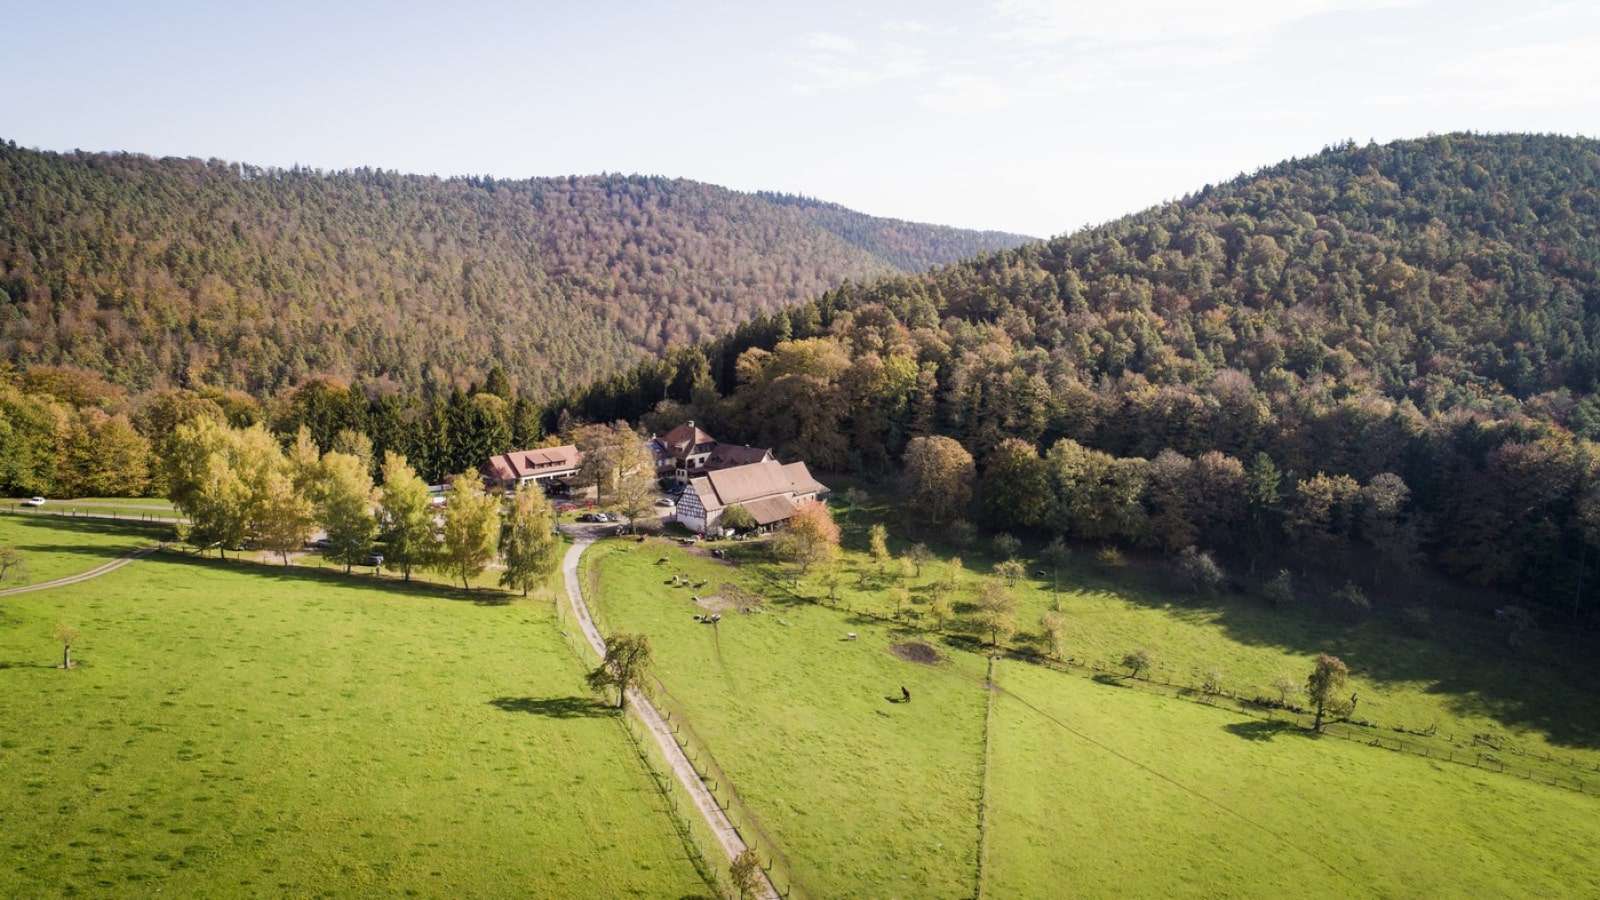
x,y
33,501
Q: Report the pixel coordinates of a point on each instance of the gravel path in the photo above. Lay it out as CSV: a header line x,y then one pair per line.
x,y
95,572
732,844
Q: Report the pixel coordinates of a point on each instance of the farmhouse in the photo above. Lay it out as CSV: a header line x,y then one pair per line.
x,y
688,451
545,466
769,490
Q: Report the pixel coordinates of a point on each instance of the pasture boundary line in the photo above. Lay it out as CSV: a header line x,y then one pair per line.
x,y
722,828
989,689
1366,734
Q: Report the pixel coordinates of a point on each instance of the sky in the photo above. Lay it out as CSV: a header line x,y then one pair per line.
x,y
1023,115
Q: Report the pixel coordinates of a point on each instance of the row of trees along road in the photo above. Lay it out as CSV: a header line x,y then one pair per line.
x,y
239,487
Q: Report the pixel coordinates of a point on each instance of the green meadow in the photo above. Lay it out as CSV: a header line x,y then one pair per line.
x,y
236,729
1089,786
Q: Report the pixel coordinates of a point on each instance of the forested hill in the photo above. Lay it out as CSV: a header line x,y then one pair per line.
x,y
1427,308
189,272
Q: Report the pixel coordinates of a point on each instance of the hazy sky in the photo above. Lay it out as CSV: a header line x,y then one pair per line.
x,y
1024,115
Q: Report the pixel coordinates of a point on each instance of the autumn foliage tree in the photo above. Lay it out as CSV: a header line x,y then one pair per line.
x,y
939,475
809,538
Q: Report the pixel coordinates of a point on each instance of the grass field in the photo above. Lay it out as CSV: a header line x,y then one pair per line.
x,y
1093,788
1461,678
239,730
1097,785
866,797
52,547
125,507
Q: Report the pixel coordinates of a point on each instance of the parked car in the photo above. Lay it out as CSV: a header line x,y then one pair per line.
x,y
664,502
318,544
602,517
373,559
34,501
588,517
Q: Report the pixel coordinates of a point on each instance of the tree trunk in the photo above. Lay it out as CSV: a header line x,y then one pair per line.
x,y
1317,724
66,656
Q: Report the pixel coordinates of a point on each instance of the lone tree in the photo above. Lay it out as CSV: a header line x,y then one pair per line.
x,y
809,538
10,563
737,518
1011,570
878,546
1053,627
68,636
997,611
919,555
1200,570
854,498
1325,685
1006,546
626,664
471,525
529,541
1137,662
1055,555
745,873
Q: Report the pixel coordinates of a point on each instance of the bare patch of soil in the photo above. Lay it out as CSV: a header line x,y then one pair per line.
x,y
917,652
729,598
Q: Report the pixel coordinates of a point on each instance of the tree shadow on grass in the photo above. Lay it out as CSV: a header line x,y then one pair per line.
x,y
1260,730
29,665
358,579
154,531
555,707
1111,680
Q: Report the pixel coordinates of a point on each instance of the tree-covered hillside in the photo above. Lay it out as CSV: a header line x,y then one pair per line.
x,y
1427,309
205,273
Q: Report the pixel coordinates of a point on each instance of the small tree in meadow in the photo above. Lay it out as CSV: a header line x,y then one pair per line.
x,y
745,873
1211,681
1284,685
1280,590
11,563
1011,570
809,538
878,547
1109,558
1200,571
962,533
854,499
919,555
528,541
900,597
1325,685
1053,627
1006,546
939,612
1056,555
1137,662
66,636
997,611
626,664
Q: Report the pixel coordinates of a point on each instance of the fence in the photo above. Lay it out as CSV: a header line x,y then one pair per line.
x,y
779,870
112,514
1568,774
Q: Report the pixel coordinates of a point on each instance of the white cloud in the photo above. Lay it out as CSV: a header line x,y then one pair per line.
x,y
1145,21
832,62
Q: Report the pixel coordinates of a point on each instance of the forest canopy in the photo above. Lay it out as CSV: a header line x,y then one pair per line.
x,y
189,273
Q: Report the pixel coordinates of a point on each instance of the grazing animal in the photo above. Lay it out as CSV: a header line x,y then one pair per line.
x,y
850,635
905,695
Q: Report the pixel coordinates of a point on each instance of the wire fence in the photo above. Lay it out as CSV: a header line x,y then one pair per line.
x,y
110,514
1548,768
779,869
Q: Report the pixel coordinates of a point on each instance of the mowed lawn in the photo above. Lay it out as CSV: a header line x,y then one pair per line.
x,y
54,547
239,730
1096,789
1460,678
866,797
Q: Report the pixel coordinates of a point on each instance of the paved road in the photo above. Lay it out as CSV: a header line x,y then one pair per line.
x,y
95,572
732,844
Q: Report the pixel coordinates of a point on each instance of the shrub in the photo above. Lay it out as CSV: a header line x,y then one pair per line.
x,y
1352,599
1283,686
1200,571
1211,681
1137,662
1109,557
1006,546
1280,590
